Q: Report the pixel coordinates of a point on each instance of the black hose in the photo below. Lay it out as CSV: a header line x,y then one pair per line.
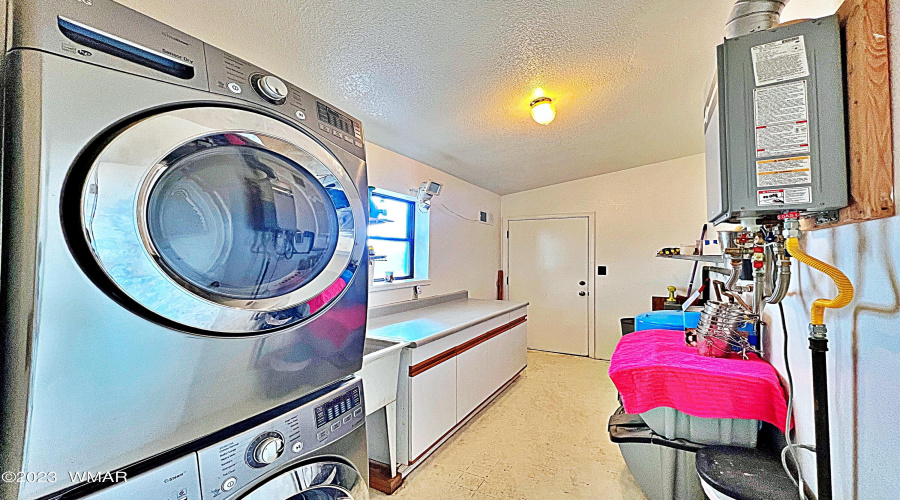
x,y
819,346
787,362
790,381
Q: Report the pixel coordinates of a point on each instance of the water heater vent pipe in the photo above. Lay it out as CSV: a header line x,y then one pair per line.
x,y
748,16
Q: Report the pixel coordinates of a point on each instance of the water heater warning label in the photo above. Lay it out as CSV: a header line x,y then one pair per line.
x,y
783,172
780,61
786,196
781,119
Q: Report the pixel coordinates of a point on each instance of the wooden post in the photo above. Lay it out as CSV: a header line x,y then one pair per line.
x,y
864,28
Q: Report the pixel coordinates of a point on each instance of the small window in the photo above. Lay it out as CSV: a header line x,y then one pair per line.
x,y
392,235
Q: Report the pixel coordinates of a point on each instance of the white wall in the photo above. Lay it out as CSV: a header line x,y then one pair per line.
x,y
638,211
864,356
809,9
464,255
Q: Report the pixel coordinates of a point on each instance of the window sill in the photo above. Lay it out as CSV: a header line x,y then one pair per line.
x,y
379,287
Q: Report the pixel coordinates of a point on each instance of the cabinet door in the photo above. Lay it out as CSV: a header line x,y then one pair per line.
x,y
517,343
479,372
515,353
432,406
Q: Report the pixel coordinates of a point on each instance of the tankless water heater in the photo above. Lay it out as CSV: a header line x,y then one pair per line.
x,y
774,124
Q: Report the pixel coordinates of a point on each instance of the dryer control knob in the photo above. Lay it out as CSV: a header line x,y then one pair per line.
x,y
272,89
268,450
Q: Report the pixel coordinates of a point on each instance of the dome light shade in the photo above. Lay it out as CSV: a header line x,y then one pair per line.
x,y
542,110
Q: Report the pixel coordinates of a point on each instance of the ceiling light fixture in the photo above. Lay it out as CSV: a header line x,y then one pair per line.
x,y
542,110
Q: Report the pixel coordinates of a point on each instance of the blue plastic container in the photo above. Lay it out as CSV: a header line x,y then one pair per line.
x,y
678,320
666,320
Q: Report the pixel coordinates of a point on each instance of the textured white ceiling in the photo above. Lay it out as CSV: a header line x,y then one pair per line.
x,y
448,83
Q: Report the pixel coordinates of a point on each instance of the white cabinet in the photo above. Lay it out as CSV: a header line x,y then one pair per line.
x,y
479,371
444,382
488,366
432,406
516,344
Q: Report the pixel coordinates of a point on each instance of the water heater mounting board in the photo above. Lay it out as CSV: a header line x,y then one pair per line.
x,y
775,133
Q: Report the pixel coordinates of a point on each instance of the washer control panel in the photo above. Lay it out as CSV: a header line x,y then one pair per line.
x,y
230,466
234,77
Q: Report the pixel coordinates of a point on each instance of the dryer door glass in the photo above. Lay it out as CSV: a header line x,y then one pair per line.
x,y
220,220
240,221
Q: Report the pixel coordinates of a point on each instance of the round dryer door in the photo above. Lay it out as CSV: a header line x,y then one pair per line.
x,y
223,220
315,481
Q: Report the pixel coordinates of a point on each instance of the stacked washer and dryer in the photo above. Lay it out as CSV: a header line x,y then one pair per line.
x,y
183,273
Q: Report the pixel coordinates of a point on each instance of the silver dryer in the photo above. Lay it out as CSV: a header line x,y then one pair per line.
x,y
183,239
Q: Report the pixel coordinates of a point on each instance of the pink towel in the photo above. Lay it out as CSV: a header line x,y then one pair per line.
x,y
655,368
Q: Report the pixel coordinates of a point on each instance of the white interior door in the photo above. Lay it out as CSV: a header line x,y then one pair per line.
x,y
549,267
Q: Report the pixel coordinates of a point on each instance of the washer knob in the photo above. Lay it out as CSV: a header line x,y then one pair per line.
x,y
268,450
272,89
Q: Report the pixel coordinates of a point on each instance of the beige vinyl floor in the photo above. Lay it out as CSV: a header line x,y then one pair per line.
x,y
543,438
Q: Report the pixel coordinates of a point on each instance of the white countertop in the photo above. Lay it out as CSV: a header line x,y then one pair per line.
x,y
426,324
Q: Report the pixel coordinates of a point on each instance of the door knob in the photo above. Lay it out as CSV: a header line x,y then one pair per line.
x,y
582,283
582,293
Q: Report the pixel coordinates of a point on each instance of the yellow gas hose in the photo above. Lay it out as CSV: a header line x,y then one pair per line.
x,y
845,288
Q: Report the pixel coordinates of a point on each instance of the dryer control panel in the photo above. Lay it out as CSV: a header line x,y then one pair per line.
x,y
105,33
230,466
234,77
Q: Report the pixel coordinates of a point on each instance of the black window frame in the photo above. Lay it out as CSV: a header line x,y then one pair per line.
x,y
410,235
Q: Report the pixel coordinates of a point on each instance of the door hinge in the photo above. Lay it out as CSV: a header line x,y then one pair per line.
x,y
507,280
507,235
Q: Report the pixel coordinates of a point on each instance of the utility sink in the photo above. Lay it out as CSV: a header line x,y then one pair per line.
x,y
380,375
380,372
375,345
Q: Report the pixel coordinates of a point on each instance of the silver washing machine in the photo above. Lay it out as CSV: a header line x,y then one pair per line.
x,y
316,451
182,239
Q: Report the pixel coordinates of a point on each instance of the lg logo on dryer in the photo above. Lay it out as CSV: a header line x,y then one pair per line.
x,y
74,49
